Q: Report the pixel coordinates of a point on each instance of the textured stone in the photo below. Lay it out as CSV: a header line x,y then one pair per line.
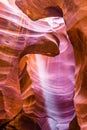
x,y
75,15
16,37
73,10
21,122
78,36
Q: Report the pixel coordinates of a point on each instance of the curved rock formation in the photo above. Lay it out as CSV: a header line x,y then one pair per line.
x,y
18,36
53,82
75,15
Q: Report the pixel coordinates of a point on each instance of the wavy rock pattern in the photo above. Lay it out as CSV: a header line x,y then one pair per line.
x,y
53,82
75,15
18,36
79,32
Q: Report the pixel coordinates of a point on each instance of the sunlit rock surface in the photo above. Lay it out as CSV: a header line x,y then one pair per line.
x,y
53,82
75,15
73,10
19,36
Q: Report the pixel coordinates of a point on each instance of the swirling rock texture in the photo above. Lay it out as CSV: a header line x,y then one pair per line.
x,y
18,36
53,82
75,15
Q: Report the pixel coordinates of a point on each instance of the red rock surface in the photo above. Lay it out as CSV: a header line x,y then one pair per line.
x,y
75,15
